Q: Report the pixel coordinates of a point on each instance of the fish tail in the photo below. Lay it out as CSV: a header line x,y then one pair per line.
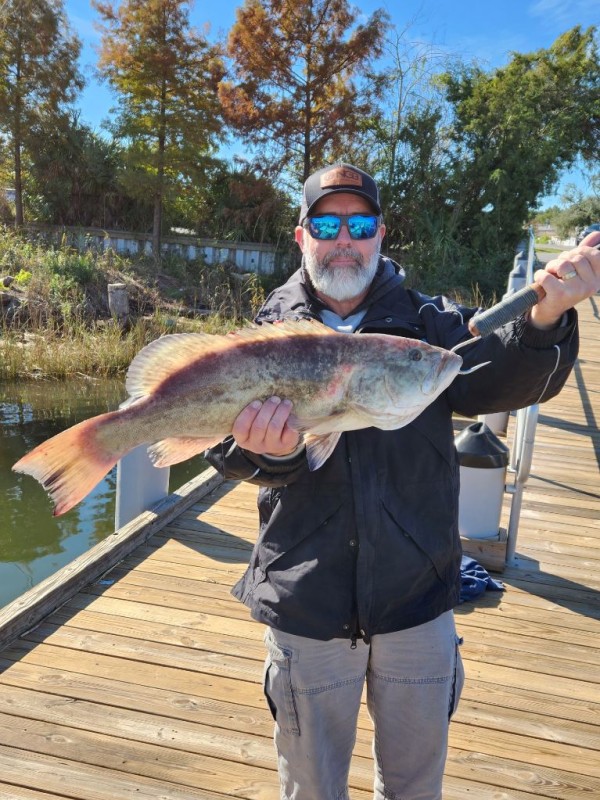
x,y
71,463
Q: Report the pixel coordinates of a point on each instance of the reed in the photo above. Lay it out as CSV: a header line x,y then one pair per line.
x,y
104,351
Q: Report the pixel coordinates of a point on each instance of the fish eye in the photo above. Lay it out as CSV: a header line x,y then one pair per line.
x,y
415,355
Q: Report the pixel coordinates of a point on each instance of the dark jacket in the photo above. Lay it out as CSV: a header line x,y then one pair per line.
x,y
369,542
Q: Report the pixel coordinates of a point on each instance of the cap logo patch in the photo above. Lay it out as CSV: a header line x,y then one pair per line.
x,y
341,176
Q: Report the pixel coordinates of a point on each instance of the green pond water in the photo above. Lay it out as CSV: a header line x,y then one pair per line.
x,y
33,543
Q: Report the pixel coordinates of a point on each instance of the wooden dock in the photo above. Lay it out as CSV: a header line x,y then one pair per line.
x,y
146,682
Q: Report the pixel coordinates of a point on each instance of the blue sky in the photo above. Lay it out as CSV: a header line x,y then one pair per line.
x,y
473,29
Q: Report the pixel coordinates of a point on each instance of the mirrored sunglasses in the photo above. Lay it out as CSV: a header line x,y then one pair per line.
x,y
328,226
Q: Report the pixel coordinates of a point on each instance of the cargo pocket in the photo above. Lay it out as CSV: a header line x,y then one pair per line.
x,y
458,680
277,686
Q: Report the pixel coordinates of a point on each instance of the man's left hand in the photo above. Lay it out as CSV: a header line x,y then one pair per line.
x,y
567,280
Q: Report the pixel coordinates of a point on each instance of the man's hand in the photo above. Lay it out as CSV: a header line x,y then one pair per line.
x,y
567,280
263,428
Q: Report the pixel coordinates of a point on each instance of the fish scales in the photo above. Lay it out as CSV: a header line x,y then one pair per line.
x,y
218,388
301,369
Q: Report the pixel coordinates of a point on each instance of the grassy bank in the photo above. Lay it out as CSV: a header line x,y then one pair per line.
x,y
55,320
99,352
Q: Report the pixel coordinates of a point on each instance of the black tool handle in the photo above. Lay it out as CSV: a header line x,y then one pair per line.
x,y
508,309
511,307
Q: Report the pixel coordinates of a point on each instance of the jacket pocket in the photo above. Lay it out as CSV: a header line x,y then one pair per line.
x,y
428,520
416,552
292,525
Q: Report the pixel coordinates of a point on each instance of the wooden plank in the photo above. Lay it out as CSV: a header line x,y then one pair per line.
x,y
490,553
191,682
484,704
183,771
509,775
31,607
21,793
39,772
91,731
183,593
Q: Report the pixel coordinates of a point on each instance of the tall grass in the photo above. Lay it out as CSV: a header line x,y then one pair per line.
x,y
62,326
102,352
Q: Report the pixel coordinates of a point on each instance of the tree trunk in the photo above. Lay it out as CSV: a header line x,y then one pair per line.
x,y
160,177
307,123
156,230
19,219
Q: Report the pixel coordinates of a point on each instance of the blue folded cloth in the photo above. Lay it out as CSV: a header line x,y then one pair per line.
x,y
474,580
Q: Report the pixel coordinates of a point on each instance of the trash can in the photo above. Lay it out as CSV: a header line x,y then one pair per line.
x,y
483,460
497,423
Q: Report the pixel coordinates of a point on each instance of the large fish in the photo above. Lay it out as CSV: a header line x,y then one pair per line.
x,y
187,389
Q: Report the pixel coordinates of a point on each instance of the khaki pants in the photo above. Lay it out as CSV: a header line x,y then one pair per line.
x,y
414,679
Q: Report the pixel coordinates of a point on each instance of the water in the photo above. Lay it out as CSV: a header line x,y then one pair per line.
x,y
33,543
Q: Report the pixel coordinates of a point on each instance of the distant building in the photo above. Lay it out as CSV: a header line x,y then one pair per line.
x,y
9,194
544,229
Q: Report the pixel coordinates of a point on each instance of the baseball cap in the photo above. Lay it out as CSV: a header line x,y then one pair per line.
x,y
338,178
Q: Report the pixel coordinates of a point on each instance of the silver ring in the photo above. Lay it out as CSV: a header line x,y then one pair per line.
x,y
569,275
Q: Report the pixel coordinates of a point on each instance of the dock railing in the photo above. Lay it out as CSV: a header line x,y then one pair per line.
x,y
524,436
523,440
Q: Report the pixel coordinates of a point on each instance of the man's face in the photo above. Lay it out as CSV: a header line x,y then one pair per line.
x,y
341,268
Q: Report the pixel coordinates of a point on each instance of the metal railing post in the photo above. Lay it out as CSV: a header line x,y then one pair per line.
x,y
530,255
524,448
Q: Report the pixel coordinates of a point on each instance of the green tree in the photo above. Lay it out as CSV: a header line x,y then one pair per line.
x,y
38,76
464,169
165,74
74,176
295,90
581,210
241,205
514,130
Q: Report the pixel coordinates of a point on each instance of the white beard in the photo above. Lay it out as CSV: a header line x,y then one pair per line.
x,y
342,283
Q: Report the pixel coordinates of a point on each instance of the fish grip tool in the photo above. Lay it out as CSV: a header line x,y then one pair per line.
x,y
509,308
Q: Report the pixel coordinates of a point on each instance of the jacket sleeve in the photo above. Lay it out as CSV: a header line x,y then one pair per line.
x,y
234,462
527,365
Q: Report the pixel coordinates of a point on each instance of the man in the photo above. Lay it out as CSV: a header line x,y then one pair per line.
x,y
357,566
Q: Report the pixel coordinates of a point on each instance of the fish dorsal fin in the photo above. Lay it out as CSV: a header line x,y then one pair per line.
x,y
163,357
283,328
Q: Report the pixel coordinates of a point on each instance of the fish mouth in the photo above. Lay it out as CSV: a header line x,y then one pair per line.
x,y
449,361
442,373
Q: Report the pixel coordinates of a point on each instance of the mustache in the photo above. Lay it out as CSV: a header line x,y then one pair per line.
x,y
343,252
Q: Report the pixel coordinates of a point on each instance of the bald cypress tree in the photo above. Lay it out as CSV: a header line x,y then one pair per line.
x,y
165,75
294,91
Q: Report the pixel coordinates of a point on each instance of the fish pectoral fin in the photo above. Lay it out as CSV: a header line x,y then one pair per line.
x,y
319,448
179,448
320,426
